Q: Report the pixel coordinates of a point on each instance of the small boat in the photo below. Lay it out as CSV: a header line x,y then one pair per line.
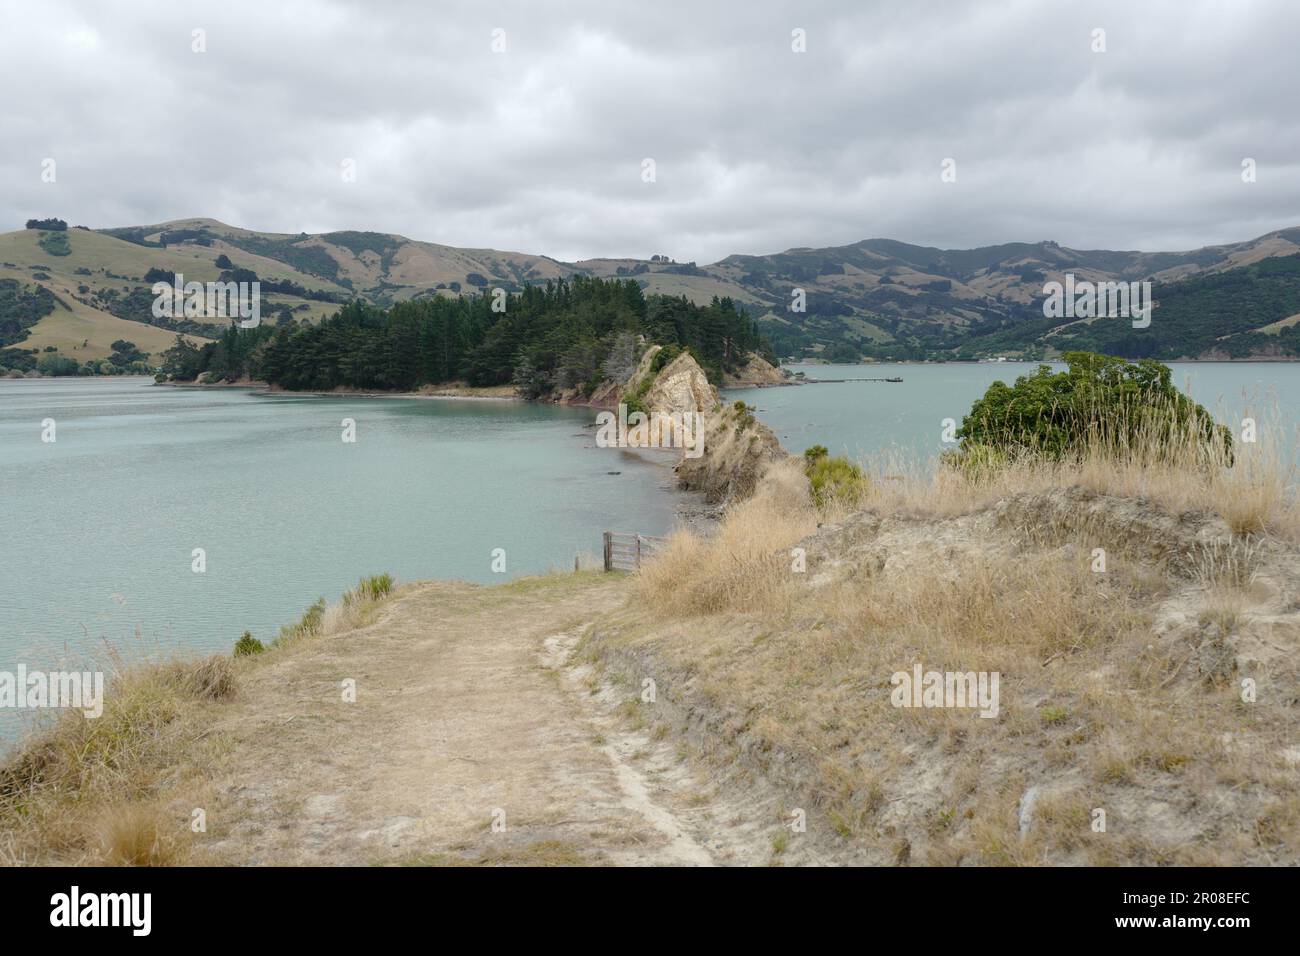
x,y
893,380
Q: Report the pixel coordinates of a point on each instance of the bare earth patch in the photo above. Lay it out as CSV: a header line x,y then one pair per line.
x,y
466,711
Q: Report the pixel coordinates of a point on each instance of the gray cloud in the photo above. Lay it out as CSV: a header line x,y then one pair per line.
x,y
757,148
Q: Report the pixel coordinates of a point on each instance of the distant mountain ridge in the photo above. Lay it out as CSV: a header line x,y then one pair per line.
x,y
874,299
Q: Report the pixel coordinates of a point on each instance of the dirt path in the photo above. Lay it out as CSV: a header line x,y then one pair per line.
x,y
467,711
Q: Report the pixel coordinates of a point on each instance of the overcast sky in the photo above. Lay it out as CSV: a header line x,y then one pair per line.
x,y
756,147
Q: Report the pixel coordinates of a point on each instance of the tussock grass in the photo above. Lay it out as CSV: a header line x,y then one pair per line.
x,y
83,790
1101,705
354,609
134,834
119,789
834,481
747,563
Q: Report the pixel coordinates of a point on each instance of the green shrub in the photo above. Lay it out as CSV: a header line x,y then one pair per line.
x,y
633,403
57,365
834,480
248,645
375,586
664,357
744,415
308,626
1099,402
55,243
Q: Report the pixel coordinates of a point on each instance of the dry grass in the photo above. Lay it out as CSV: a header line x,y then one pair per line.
x,y
1252,485
355,609
1102,706
746,564
120,789
83,791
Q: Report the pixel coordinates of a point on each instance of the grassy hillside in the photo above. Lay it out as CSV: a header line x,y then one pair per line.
x,y
876,299
886,299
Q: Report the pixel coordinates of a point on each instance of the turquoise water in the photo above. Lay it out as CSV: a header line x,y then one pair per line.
x,y
99,526
867,419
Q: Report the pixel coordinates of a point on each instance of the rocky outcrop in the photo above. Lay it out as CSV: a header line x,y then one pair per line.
x,y
738,449
755,371
681,386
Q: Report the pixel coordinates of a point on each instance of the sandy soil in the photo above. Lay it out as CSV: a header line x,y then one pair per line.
x,y
469,709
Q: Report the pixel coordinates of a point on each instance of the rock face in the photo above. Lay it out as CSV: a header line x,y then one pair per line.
x,y
756,371
610,392
681,386
738,449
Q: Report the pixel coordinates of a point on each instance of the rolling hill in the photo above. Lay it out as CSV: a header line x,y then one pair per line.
x,y
875,299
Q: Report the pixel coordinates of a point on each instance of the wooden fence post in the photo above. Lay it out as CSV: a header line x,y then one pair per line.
x,y
609,551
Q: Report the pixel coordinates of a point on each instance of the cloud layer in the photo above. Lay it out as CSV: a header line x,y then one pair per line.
x,y
756,148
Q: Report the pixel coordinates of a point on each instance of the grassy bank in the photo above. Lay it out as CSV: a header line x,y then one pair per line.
x,y
1125,596
121,789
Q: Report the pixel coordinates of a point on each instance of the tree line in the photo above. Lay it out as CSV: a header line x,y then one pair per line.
x,y
566,334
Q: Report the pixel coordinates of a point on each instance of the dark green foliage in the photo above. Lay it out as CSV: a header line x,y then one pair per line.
x,y
55,243
1100,399
310,259
136,305
57,365
557,335
833,480
53,225
382,244
176,236
248,645
744,415
125,353
21,307
1198,314
133,234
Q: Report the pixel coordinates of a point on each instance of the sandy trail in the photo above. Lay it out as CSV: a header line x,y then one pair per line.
x,y
467,712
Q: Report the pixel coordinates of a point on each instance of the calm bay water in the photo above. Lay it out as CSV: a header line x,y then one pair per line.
x,y
98,527
867,419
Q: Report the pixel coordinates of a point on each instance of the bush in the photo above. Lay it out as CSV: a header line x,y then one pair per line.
x,y
55,243
664,357
308,626
248,645
834,480
1099,402
370,589
57,365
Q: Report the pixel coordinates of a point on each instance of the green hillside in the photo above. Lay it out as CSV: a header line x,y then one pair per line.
x,y
76,291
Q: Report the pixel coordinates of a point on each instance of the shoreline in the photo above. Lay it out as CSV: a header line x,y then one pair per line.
x,y
690,508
